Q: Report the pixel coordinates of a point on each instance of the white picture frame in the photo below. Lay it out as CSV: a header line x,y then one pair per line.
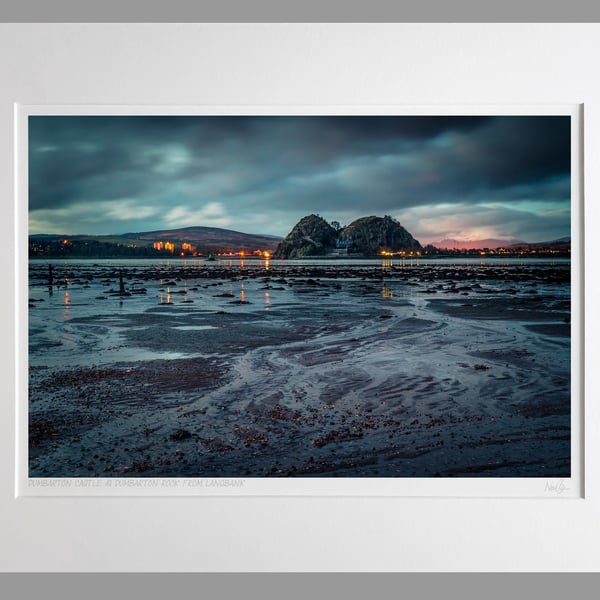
x,y
462,74
556,487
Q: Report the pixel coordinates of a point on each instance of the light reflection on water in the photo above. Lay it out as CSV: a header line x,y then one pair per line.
x,y
165,299
67,305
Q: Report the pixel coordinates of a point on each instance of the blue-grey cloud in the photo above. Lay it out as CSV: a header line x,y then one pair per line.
x,y
261,174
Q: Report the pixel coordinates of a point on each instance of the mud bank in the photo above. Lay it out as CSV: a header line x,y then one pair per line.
x,y
302,371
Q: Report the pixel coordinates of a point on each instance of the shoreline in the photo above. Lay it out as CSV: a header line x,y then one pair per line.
x,y
468,255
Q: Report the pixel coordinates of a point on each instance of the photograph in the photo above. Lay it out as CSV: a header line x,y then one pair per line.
x,y
305,296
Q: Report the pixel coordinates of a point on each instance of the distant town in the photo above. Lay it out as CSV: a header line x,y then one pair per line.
x,y
91,247
556,249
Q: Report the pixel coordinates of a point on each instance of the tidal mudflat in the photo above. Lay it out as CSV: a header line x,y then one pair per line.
x,y
297,368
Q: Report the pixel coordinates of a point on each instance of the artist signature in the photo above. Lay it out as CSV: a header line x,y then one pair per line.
x,y
556,487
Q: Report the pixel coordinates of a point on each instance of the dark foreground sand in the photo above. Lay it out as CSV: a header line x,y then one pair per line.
x,y
303,372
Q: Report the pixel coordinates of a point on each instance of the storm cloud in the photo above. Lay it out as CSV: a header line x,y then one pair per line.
x,y
447,176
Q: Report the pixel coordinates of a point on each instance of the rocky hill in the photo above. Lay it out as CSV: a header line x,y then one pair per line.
x,y
371,235
367,236
311,236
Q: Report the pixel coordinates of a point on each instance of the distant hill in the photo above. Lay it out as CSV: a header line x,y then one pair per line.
x,y
367,236
558,244
213,237
202,239
452,244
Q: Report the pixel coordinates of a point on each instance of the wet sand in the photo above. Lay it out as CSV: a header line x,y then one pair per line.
x,y
301,370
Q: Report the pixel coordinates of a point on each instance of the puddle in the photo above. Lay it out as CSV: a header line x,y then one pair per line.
x,y
193,327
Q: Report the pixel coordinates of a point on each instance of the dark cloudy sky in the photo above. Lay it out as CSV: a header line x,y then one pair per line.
x,y
441,177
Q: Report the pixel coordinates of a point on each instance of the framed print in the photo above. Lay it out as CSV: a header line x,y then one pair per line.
x,y
243,324
239,299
